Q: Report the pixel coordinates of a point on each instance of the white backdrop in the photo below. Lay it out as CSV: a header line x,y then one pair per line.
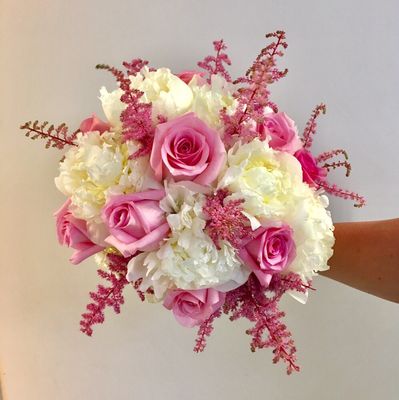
x,y
341,52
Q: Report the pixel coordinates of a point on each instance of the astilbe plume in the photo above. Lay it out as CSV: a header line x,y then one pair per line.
x,y
205,330
214,65
106,296
260,306
225,220
253,93
55,136
136,117
323,160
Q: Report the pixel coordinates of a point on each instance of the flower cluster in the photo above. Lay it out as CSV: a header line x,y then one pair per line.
x,y
199,192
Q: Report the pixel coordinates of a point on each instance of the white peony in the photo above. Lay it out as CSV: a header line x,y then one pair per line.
x,y
313,232
210,99
112,106
167,93
271,184
188,259
96,169
171,97
265,178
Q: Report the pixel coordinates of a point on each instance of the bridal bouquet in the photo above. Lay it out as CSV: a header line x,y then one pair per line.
x,y
200,194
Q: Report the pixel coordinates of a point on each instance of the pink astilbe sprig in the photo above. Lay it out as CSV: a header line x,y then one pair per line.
x,y
343,193
205,330
214,65
311,125
225,220
321,161
106,296
327,155
253,93
136,117
55,136
260,306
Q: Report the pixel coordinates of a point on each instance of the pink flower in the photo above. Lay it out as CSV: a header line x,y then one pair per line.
x,y
192,307
135,221
73,232
311,172
185,148
281,131
270,251
94,123
187,75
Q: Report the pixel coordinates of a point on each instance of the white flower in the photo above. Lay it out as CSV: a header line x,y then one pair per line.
x,y
96,169
270,182
313,232
167,93
188,259
112,106
265,178
210,99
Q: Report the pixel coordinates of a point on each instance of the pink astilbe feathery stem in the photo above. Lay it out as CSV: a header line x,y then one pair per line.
x,y
260,306
137,116
205,330
55,136
327,155
337,164
311,125
106,296
321,160
225,220
343,193
253,93
214,65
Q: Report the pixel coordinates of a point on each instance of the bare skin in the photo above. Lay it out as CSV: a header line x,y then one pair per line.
x,y
366,257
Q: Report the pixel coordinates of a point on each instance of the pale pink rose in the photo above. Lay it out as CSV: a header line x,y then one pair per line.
x,y
187,75
311,172
135,221
73,232
94,123
192,307
185,148
281,131
269,252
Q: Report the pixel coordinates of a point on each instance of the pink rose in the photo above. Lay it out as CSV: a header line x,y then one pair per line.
x,y
311,172
281,131
185,148
135,221
192,307
187,75
73,232
270,251
94,123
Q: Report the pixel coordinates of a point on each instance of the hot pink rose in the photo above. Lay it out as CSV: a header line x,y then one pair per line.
x,y
72,232
269,252
135,221
281,131
311,172
185,148
94,123
187,75
192,307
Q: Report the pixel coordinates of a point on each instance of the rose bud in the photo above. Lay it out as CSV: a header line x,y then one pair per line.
x,y
73,232
185,148
271,251
193,307
93,124
281,132
311,172
135,221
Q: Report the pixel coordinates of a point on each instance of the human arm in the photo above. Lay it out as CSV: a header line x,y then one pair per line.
x,y
366,257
